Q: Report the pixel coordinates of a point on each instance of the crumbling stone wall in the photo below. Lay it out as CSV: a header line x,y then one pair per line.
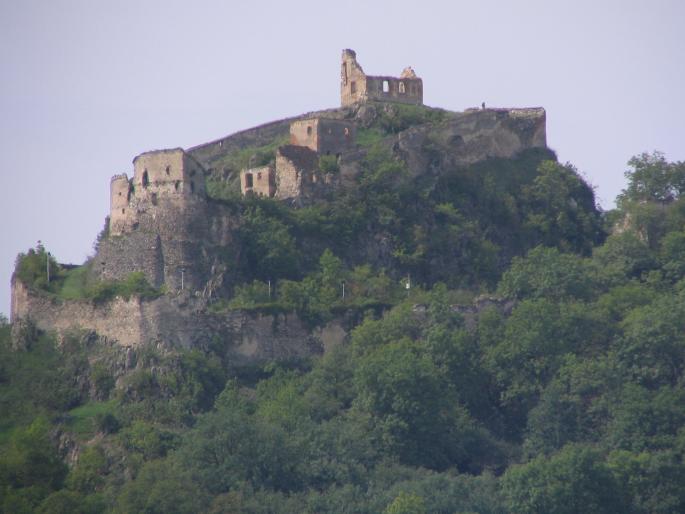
x,y
323,135
259,181
356,86
180,321
296,168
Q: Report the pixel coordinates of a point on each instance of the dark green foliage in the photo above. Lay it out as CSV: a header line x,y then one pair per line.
x,y
545,272
565,395
574,481
329,164
653,179
32,268
135,284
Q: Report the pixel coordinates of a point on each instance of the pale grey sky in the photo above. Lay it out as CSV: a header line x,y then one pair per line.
x,y
87,85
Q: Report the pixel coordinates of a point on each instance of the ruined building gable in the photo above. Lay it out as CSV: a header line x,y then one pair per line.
x,y
260,181
323,135
356,86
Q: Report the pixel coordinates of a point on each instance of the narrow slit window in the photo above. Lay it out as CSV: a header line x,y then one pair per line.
x,y
386,86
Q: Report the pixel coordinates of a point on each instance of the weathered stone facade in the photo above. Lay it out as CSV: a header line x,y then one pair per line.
x,y
297,171
259,181
356,86
179,321
324,136
157,175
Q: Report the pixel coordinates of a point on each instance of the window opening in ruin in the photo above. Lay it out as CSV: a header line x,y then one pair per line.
x,y
386,86
347,131
119,193
176,185
248,180
309,131
146,180
168,169
401,87
345,73
192,186
353,87
259,175
123,211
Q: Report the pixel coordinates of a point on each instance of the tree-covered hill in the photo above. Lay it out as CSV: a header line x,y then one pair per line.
x,y
559,391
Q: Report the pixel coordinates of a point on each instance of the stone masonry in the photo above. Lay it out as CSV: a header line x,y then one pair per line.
x,y
259,181
356,86
324,136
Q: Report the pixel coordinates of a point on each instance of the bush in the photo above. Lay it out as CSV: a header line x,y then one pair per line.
x,y
329,164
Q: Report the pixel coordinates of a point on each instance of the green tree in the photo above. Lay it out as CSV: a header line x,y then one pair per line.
x,y
407,503
574,481
653,179
547,273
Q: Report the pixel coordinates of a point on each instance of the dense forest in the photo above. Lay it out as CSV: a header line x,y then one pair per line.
x,y
532,361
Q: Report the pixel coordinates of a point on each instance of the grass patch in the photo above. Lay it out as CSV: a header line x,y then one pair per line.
x,y
83,421
367,137
75,284
252,156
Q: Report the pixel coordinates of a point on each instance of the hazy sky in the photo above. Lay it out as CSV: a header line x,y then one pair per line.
x,y
87,85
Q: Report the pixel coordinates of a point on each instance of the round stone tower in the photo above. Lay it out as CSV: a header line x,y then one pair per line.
x,y
119,204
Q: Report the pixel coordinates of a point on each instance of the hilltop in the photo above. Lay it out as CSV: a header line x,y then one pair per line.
x,y
383,307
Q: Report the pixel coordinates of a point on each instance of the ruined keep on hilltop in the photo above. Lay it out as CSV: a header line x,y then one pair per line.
x,y
356,86
189,245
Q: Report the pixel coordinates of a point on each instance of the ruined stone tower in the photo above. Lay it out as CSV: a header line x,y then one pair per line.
x,y
356,86
157,175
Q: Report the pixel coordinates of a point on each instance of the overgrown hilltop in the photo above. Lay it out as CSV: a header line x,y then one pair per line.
x,y
379,308
561,395
422,194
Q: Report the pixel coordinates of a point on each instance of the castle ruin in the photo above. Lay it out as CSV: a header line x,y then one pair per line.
x,y
157,175
356,86
162,222
296,173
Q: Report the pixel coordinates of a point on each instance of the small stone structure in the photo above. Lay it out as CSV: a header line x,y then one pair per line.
x,y
323,135
259,181
296,168
356,86
296,172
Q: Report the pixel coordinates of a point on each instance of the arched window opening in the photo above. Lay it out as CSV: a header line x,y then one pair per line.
x,y
177,184
248,180
401,87
168,170
146,179
386,86
309,131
